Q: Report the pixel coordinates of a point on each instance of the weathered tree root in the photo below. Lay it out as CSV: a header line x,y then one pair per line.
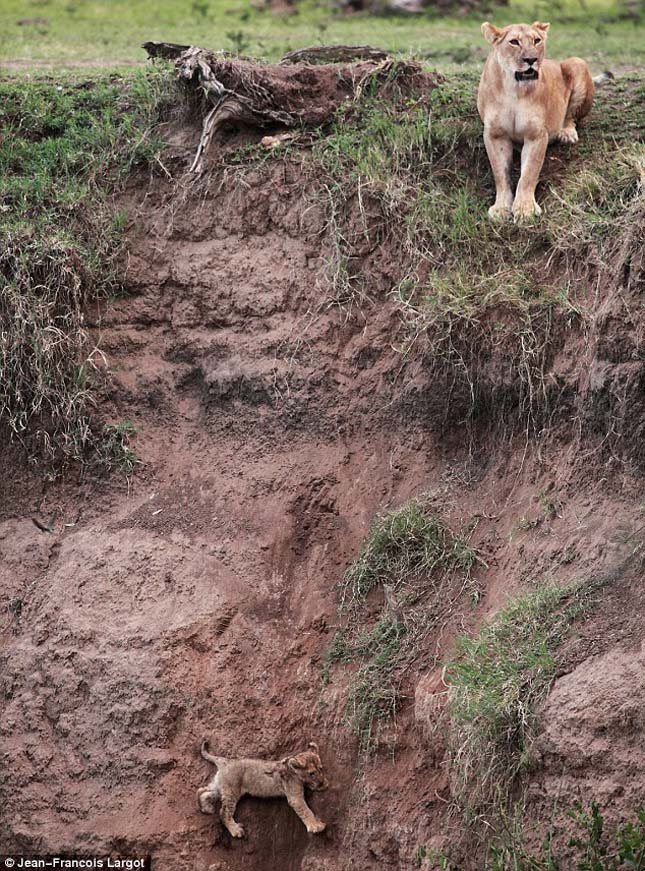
x,y
288,94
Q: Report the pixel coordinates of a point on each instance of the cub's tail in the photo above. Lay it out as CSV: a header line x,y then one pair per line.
x,y
208,756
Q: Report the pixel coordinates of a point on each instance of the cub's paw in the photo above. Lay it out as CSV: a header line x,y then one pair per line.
x,y
568,136
525,210
500,213
316,827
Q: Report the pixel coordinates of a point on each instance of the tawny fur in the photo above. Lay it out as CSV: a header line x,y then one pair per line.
x,y
520,108
287,777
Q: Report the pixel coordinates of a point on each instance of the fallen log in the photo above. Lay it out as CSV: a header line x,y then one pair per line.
x,y
286,95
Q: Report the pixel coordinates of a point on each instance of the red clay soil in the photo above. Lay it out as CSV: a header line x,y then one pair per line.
x,y
199,597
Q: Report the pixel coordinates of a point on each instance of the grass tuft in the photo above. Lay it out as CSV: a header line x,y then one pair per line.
x,y
114,451
421,569
498,682
402,545
65,151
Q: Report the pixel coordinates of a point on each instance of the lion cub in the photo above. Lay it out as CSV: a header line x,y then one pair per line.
x,y
528,100
238,777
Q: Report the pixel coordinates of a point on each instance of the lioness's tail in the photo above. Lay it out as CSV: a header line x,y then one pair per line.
x,y
603,78
208,756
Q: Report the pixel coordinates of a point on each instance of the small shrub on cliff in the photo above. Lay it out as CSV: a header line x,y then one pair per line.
x,y
497,684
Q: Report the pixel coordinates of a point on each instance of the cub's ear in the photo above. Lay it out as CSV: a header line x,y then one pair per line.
x,y
541,26
294,763
491,33
313,746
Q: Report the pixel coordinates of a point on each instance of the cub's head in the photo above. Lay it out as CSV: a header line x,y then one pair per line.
x,y
307,768
519,48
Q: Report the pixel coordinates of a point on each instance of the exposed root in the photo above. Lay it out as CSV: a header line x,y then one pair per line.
x,y
283,95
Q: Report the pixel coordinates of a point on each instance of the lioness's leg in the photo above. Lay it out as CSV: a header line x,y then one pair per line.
x,y
500,154
578,78
297,801
533,153
226,815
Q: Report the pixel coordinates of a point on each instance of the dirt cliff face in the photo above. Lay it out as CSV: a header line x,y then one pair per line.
x,y
199,597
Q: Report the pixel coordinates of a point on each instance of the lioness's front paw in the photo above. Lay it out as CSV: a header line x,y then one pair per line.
x,y
524,210
236,830
316,827
499,213
568,136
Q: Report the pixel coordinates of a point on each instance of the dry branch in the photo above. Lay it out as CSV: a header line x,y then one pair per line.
x,y
287,95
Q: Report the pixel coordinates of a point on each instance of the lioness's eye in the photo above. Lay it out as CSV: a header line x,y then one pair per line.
x,y
514,41
537,40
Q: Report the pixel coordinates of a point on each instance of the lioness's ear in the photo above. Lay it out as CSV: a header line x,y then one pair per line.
x,y
491,33
541,26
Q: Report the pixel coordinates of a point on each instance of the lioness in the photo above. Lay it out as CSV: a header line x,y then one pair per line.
x,y
525,99
238,777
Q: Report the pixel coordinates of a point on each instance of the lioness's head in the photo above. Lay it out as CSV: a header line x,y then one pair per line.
x,y
307,767
519,48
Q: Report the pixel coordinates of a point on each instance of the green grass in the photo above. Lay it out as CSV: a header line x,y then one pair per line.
x,y
498,681
67,147
97,32
421,567
114,451
594,848
373,694
403,545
